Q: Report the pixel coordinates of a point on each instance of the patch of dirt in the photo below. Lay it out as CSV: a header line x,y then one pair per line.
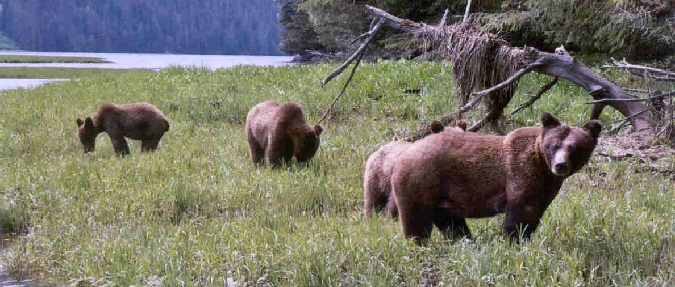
x,y
650,152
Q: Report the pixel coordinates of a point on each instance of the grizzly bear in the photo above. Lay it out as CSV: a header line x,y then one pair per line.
x,y
280,132
138,121
377,178
445,178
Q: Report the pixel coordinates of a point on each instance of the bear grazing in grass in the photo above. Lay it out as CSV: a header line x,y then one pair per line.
x,y
445,178
139,121
377,193
280,132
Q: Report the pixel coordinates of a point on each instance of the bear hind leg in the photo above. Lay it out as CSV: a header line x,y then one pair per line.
x,y
257,153
451,226
374,203
391,209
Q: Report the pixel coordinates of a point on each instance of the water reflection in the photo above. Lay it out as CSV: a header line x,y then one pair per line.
x,y
152,61
5,280
11,84
134,61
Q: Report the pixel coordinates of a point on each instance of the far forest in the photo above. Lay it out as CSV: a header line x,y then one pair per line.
x,y
142,26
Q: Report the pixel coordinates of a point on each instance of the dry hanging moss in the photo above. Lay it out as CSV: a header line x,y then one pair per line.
x,y
479,60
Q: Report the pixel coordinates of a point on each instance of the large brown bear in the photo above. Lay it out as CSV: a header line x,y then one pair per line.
x,y
445,178
280,132
138,121
377,195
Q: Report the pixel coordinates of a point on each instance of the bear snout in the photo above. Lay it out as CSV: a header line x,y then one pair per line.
x,y
560,163
561,168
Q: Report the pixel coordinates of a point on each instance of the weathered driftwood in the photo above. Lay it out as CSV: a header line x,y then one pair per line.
x,y
560,65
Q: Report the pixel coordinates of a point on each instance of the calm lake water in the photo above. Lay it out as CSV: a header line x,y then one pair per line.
x,y
138,61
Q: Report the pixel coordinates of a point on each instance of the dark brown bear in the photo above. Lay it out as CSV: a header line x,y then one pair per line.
x,y
280,132
377,193
445,178
139,121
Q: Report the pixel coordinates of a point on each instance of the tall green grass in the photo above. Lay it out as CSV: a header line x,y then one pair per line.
x,y
198,213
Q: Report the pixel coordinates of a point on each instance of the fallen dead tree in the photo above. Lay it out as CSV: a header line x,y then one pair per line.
x,y
484,61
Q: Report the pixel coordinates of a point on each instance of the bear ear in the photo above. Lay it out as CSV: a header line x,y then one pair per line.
x,y
462,125
549,121
88,123
79,122
318,130
436,127
593,127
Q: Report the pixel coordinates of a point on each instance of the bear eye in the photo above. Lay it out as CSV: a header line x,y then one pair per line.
x,y
554,146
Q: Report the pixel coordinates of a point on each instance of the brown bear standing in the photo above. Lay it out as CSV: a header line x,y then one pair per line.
x,y
139,121
377,195
445,178
280,132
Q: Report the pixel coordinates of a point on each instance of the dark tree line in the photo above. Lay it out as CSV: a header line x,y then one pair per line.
x,y
151,26
630,28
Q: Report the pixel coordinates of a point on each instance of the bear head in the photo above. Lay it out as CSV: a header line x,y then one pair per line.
x,y
567,149
87,133
308,144
437,126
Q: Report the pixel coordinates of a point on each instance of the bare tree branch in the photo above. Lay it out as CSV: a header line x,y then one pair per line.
x,y
445,18
356,54
625,65
479,95
466,12
602,101
479,124
625,120
398,23
663,79
536,97
637,91
344,88
366,34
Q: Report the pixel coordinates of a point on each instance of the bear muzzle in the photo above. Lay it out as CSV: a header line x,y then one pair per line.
x,y
560,166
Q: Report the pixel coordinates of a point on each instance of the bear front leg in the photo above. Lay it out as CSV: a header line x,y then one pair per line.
x,y
521,221
149,145
120,145
278,152
277,159
451,226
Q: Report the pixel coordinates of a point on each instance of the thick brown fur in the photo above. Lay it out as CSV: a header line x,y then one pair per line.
x,y
279,133
138,121
445,178
377,193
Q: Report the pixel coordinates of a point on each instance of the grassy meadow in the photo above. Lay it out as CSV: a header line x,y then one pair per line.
x,y
198,213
